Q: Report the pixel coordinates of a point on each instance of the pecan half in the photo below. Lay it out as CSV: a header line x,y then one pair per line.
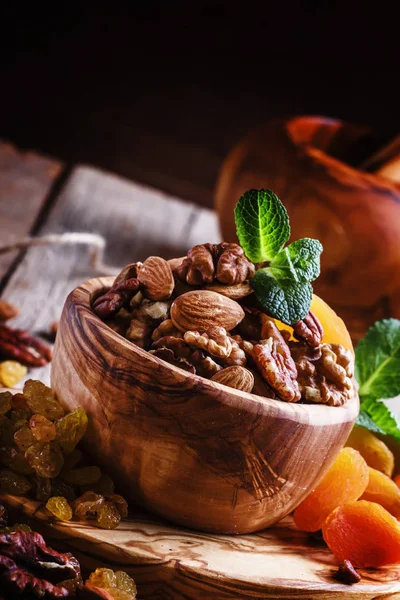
x,y
28,566
169,357
223,262
120,294
19,345
309,330
270,330
327,380
273,368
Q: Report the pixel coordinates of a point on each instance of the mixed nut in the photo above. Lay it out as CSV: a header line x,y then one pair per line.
x,y
201,315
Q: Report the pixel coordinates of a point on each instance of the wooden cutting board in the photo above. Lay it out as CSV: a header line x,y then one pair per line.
x,y
168,562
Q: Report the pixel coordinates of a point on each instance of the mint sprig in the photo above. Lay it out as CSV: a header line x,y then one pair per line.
x,y
262,224
283,286
377,370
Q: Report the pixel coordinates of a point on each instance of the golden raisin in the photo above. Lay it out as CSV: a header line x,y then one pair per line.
x,y
11,372
364,533
382,490
42,429
59,507
345,481
374,451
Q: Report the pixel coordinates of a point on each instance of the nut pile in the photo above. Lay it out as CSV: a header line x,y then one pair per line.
x,y
31,569
39,454
200,314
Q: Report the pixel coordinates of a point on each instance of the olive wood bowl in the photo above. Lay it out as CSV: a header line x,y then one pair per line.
x,y
192,450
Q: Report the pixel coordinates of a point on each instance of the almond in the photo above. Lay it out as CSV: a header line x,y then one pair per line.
x,y
201,309
155,276
236,292
235,377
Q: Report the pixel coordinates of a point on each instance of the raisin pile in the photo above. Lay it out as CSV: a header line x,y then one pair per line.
x,y
39,456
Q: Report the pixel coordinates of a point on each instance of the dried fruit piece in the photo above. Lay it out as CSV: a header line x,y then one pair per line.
x,y
46,459
60,488
59,507
24,438
364,533
87,505
347,574
82,476
15,460
6,430
43,487
346,481
41,400
108,516
11,372
12,483
5,402
104,583
120,503
71,429
382,490
374,451
42,429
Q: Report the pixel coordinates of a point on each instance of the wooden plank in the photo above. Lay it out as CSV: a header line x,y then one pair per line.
x,y
135,221
25,181
171,562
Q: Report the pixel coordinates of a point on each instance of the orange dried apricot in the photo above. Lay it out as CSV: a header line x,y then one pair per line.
x,y
382,490
397,480
335,331
364,533
345,481
375,452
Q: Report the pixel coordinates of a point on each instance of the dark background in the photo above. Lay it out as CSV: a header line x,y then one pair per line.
x,y
161,91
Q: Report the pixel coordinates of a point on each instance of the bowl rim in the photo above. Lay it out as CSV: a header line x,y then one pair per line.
x,y
317,414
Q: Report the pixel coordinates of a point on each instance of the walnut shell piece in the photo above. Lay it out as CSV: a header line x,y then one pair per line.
x,y
235,377
200,309
156,279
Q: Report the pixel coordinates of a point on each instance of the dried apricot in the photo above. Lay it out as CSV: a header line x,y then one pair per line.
x,y
364,533
374,451
345,481
335,331
382,490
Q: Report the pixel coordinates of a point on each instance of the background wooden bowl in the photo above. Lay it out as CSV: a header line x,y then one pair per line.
x,y
356,215
196,452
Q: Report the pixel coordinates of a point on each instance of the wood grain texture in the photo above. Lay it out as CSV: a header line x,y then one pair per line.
x,y
136,222
25,181
356,215
192,450
180,564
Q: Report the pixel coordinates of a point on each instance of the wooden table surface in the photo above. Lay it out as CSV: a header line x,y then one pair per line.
x,y
39,196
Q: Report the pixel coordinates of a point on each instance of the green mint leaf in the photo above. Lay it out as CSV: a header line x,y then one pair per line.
x,y
378,360
284,299
299,261
364,420
262,224
381,416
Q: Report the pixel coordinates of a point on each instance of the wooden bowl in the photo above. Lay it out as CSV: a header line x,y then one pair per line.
x,y
307,161
192,450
